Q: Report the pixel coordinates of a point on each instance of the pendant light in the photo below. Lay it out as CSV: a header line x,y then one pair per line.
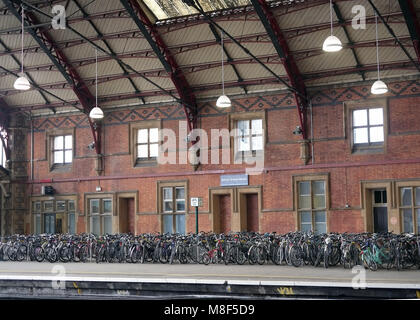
x,y
96,113
22,83
223,101
332,43
379,87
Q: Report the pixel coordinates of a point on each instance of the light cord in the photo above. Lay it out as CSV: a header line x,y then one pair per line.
x,y
21,67
223,71
377,44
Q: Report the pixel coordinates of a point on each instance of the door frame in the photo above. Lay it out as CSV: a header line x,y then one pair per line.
x,y
215,207
242,206
367,189
380,205
127,195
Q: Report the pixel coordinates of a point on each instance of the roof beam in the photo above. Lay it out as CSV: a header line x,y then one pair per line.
x,y
413,23
279,42
7,49
228,57
105,42
392,33
397,65
342,22
179,49
165,57
62,63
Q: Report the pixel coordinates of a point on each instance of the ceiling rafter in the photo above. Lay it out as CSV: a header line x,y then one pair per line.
x,y
108,46
342,21
397,65
293,74
413,24
165,57
59,59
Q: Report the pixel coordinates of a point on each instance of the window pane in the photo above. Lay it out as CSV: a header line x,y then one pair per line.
x,y
305,217
61,205
361,135
142,151
377,134
36,206
167,193
306,227
320,228
417,202
94,206
68,142
71,205
37,224
305,188
142,136
304,202
107,206
376,116
167,223
418,220
154,150
319,187
257,143
180,223
72,223
319,202
360,118
68,156
94,225
305,221
48,206
256,126
154,135
58,143
243,144
180,193
59,157
167,206
107,224
243,127
320,217
378,196
406,197
180,205
408,220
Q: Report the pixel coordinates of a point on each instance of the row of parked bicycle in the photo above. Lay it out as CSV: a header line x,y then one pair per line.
x,y
385,250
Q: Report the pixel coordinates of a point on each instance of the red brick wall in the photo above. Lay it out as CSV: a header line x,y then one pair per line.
x,y
282,158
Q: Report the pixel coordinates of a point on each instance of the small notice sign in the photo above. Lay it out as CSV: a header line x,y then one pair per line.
x,y
196,202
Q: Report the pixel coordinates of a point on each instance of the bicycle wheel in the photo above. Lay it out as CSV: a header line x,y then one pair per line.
x,y
205,259
21,252
296,256
261,255
39,254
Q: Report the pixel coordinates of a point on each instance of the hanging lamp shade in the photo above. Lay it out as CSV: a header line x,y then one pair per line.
x,y
332,44
96,113
223,102
22,83
379,87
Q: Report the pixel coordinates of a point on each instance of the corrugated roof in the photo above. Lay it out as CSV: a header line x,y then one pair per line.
x,y
191,43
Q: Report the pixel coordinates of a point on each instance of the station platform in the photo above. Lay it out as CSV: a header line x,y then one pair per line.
x,y
163,281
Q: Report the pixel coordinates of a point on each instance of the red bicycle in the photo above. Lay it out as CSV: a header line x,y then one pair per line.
x,y
215,255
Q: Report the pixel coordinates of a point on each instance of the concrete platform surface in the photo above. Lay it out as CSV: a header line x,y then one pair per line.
x,y
192,272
